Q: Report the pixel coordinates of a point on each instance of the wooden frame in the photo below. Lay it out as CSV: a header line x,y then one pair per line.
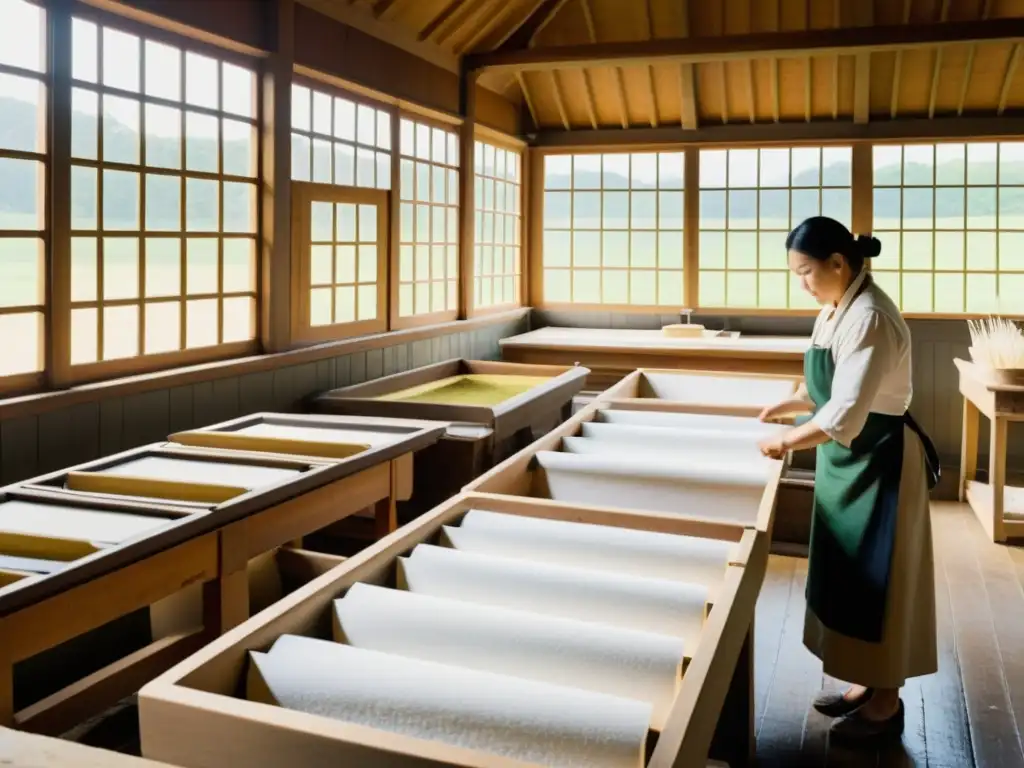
x,y
518,475
29,749
481,146
505,418
186,712
636,392
41,310
304,196
145,235
611,354
998,506
451,210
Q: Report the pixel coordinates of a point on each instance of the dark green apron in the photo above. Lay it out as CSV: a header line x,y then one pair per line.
x,y
853,527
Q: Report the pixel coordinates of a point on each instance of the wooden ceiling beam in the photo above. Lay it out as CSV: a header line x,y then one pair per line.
x,y
785,133
521,79
969,66
559,102
793,44
532,25
441,18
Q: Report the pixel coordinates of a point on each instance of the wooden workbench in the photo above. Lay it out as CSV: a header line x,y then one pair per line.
x,y
999,507
611,353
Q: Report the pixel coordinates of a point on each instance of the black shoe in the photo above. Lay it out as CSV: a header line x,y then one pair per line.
x,y
856,729
835,705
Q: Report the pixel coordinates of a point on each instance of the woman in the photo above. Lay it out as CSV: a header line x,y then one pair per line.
x,y
870,583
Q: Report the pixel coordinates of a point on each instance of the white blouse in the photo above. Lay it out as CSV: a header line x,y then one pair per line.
x,y
870,344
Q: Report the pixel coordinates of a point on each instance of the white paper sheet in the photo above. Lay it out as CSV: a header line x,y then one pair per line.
x,y
533,646
78,523
645,604
711,490
519,719
687,421
618,550
679,452
723,390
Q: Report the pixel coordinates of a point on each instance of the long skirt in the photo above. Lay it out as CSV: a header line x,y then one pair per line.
x,y
908,647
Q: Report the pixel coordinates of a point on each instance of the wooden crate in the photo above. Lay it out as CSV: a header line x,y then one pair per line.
x,y
197,714
612,353
479,435
194,571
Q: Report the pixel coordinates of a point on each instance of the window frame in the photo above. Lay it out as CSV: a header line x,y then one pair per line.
x,y
522,185
304,194
398,321
19,383
255,62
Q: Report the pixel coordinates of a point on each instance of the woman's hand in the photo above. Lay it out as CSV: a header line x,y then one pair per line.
x,y
773,447
785,408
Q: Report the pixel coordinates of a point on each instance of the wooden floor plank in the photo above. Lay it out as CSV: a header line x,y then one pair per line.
x,y
1006,602
994,737
769,622
797,680
947,733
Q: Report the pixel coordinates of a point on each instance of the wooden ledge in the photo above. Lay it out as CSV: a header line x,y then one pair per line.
x,y
43,402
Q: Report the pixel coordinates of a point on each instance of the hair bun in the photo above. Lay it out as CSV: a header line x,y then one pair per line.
x,y
868,246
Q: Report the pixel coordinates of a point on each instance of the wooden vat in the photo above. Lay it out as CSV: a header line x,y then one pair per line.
x,y
493,409
200,714
612,353
654,461
225,507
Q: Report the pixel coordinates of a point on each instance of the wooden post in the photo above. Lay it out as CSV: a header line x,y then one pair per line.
x,y
58,290
969,446
467,182
276,171
997,475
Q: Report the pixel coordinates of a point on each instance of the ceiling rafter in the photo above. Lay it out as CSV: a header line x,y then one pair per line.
x,y
1011,69
521,79
479,13
864,18
796,44
808,69
532,25
986,9
687,80
776,95
894,99
937,65
559,102
442,17
648,24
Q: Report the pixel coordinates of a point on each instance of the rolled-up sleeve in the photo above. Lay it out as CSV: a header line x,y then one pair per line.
x,y
867,350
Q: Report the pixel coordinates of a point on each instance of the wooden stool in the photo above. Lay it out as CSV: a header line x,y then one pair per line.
x,y
999,507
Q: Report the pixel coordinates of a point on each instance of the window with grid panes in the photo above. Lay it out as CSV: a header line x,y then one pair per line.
x,y
428,270
613,228
750,199
23,155
344,259
339,141
498,192
951,221
164,197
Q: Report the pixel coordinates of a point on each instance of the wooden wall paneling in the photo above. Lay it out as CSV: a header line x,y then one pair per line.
x,y
275,179
236,24
180,415
20,440
146,418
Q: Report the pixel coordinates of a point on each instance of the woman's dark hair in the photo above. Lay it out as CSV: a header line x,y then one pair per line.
x,y
819,237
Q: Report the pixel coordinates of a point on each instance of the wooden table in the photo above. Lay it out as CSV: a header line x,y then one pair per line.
x,y
999,507
611,353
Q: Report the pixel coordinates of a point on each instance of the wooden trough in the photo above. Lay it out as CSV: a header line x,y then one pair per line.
x,y
230,704
492,409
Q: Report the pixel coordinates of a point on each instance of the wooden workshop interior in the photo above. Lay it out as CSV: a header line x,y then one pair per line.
x,y
355,350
